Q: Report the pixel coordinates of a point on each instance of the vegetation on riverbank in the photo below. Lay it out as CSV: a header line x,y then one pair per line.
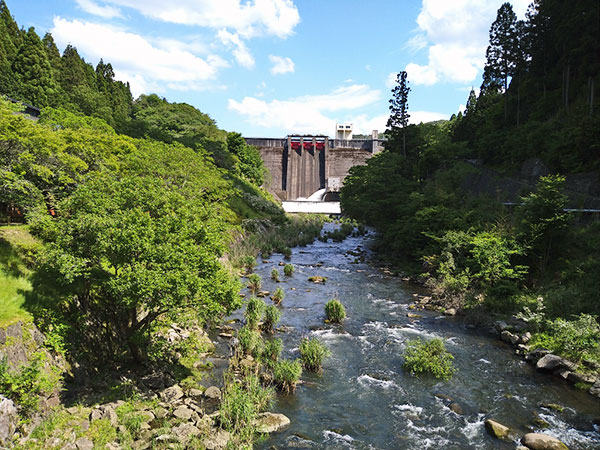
x,y
475,253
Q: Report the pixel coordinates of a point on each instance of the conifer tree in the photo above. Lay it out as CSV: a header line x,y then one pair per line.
x,y
398,120
33,70
500,58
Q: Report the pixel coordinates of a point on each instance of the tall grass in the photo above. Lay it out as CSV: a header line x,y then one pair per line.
x,y
335,311
312,353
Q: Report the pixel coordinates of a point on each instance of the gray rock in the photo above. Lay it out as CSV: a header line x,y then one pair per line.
x,y
195,393
549,363
456,408
595,389
185,432
270,422
84,444
154,380
296,441
450,312
183,412
165,438
575,377
500,326
536,354
160,412
525,338
213,393
68,446
539,441
496,429
509,338
217,440
172,393
9,417
109,413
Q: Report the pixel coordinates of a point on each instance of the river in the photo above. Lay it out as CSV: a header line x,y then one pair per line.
x,y
364,400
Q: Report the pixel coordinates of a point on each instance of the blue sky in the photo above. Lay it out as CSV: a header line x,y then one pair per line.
x,y
273,67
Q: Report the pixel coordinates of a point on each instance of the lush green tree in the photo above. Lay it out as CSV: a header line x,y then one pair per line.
x,y
124,252
542,221
34,72
250,165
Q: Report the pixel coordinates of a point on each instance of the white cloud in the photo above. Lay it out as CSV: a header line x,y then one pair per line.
x,y
390,81
240,50
106,12
281,65
458,34
136,59
306,114
248,18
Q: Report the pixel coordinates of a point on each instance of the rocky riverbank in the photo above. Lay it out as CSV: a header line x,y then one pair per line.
x,y
154,410
515,332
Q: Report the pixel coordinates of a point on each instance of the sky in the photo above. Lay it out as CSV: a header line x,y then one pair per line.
x,y
269,68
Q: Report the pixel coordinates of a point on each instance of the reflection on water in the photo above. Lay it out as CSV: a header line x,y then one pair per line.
x,y
364,400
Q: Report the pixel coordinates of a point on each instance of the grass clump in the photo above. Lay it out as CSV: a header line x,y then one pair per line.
x,y
248,263
313,353
288,270
287,253
242,401
428,358
275,274
272,350
251,342
254,312
335,311
272,316
277,296
286,374
254,283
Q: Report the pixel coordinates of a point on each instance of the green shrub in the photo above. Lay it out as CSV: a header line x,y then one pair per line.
x,y
29,383
288,270
335,311
277,296
428,357
272,350
248,262
312,353
576,340
272,316
286,374
254,283
255,309
275,274
287,252
251,342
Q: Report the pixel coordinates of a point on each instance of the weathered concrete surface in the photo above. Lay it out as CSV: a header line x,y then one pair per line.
x,y
299,172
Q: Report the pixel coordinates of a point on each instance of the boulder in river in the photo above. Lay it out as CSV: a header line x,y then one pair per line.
x,y
317,279
539,441
270,422
496,429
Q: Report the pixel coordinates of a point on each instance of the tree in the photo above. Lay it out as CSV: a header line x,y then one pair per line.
x,y
124,252
499,55
33,70
398,120
542,220
250,165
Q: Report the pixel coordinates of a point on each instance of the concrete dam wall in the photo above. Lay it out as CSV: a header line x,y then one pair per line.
x,y
301,165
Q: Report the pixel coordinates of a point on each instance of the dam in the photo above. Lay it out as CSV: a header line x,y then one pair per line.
x,y
312,166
